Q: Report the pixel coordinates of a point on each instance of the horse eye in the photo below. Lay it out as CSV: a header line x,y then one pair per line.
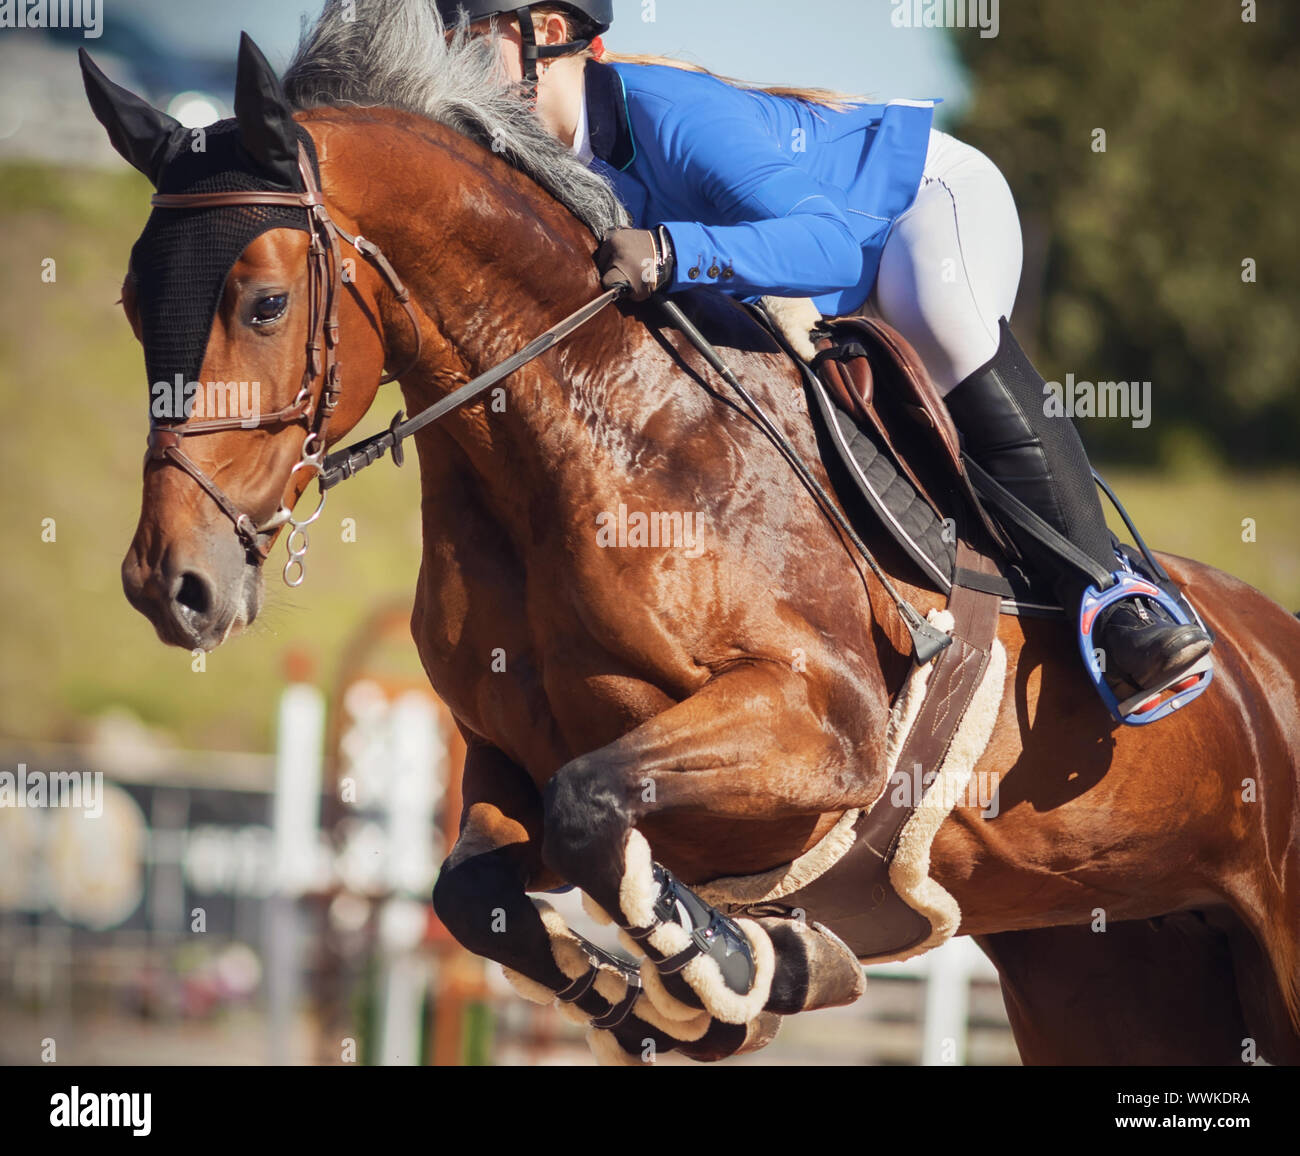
x,y
270,308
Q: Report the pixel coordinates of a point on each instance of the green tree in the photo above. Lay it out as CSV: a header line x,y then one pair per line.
x,y
1134,254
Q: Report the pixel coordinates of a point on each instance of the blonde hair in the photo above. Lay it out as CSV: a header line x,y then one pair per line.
x,y
824,97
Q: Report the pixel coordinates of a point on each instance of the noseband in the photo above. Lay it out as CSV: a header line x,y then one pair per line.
x,y
324,288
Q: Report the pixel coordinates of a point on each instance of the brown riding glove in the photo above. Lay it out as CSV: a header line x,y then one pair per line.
x,y
640,258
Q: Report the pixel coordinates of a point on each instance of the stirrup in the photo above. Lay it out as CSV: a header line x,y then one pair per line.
x,y
1153,704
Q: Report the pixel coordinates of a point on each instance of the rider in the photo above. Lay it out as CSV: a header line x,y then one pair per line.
x,y
862,207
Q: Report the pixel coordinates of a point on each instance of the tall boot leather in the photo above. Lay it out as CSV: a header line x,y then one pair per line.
x,y
999,412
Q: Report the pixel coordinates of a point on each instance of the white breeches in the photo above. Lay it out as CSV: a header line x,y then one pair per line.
x,y
951,266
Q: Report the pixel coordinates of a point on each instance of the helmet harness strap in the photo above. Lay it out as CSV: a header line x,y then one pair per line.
x,y
531,51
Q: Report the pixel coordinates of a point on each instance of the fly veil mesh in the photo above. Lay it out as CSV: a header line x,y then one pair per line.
x,y
181,260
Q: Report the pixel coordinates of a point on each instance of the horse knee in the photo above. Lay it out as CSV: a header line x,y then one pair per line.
x,y
471,899
586,816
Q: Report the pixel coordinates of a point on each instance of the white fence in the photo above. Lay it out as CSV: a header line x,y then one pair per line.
x,y
947,973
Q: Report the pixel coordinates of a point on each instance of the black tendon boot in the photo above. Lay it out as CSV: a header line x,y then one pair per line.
x,y
999,411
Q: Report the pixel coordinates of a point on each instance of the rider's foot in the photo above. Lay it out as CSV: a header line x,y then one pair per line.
x,y
1148,648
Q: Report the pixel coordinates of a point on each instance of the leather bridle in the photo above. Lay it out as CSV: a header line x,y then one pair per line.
x,y
325,279
325,276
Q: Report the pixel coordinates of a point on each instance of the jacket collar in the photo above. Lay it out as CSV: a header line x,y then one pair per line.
x,y
607,118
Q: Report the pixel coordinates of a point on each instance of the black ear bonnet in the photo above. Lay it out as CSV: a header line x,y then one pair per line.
x,y
183,257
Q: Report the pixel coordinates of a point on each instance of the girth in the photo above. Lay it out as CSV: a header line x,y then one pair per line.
x,y
856,897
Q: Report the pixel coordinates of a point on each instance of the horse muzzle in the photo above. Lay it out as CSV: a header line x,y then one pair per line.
x,y
195,601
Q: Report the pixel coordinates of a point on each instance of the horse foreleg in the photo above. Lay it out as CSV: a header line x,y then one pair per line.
x,y
748,745
481,898
480,892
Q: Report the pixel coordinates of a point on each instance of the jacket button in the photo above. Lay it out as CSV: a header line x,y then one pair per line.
x,y
714,271
728,273
694,274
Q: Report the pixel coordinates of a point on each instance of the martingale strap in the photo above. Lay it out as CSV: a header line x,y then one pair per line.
x,y
926,640
889,925
349,462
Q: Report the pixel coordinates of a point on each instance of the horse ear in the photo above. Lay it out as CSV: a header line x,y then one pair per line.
x,y
141,133
265,119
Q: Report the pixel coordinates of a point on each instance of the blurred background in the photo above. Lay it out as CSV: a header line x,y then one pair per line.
x,y
1169,256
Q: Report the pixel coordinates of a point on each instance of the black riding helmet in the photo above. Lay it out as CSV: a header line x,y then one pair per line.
x,y
596,16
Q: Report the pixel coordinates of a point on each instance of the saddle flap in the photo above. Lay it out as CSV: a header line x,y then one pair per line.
x,y
857,354
909,385
881,421
853,357
846,371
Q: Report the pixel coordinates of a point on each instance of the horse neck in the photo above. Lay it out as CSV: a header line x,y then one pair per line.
x,y
492,261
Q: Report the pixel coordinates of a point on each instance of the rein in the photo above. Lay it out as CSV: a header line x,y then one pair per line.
x,y
927,641
347,463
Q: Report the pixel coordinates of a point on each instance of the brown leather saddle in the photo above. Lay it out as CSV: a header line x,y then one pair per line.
x,y
845,352
873,375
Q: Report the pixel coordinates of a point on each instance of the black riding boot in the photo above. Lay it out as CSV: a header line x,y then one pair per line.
x,y
999,411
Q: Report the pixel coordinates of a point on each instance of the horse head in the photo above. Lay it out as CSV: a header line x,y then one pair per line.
x,y
235,291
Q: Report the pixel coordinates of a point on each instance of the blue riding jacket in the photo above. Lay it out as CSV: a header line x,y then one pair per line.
x,y
761,194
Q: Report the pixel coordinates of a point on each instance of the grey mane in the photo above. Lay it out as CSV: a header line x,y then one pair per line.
x,y
394,54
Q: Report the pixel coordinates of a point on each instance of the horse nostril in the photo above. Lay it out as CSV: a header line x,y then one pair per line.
x,y
194,593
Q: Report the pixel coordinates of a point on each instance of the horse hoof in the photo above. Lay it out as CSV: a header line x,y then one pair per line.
x,y
815,968
723,1041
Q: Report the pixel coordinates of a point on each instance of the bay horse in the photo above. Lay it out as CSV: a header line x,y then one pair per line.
x,y
1139,889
